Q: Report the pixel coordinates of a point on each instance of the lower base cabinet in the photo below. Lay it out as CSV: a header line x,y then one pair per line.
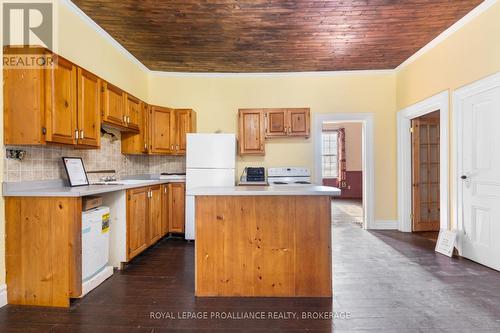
x,y
43,250
153,212
177,211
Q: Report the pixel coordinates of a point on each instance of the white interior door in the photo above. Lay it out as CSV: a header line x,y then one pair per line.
x,y
479,170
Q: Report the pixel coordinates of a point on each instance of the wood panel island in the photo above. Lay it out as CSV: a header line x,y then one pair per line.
x,y
263,241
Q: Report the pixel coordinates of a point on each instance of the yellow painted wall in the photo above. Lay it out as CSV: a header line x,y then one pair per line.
x,y
217,99
470,54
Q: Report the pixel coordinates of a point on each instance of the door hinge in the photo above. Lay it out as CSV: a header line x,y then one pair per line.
x,y
44,130
411,129
411,217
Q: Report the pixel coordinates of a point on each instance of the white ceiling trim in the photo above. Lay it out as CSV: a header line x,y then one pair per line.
x,y
276,74
441,37
481,8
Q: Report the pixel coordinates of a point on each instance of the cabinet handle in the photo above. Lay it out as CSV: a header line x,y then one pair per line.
x,y
165,189
145,146
81,134
176,147
76,134
128,119
171,147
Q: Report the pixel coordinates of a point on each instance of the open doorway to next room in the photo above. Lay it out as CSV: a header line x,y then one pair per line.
x,y
342,167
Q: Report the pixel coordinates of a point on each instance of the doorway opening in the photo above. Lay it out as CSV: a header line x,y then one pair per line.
x,y
342,167
425,138
361,211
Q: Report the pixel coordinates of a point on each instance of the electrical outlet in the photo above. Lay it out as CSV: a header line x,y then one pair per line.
x,y
15,154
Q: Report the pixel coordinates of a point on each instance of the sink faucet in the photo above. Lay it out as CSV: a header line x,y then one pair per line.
x,y
108,179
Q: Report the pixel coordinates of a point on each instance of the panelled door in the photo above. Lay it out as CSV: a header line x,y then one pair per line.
x,y
61,117
182,126
276,122
425,168
89,104
298,122
138,218
161,130
479,170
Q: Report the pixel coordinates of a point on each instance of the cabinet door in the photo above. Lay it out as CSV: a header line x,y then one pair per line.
x,y
177,207
61,108
137,221
276,123
113,109
89,115
251,132
183,124
23,105
164,210
133,109
298,122
161,130
155,200
137,143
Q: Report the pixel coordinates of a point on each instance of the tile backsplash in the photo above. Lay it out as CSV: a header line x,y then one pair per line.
x,y
44,162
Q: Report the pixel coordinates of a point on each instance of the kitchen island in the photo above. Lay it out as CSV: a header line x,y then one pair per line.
x,y
266,241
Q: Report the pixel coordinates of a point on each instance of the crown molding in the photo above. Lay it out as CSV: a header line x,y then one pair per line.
x,y
481,8
274,74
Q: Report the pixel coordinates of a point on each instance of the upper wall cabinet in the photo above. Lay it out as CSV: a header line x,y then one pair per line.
x,y
161,125
162,131
56,105
89,103
184,122
251,132
133,112
287,122
255,125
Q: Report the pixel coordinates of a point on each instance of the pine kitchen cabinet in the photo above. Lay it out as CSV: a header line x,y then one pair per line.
x,y
137,143
176,207
162,132
184,122
133,112
287,122
144,218
89,102
161,136
43,250
57,105
251,132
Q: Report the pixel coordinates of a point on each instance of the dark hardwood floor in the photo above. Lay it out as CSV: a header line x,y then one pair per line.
x,y
384,281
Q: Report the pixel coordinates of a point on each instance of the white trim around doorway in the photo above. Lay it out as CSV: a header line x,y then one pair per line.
x,y
368,156
437,102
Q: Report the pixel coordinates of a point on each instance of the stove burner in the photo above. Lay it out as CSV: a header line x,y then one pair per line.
x,y
302,182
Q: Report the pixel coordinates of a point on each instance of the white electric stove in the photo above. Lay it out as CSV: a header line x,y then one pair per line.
x,y
287,176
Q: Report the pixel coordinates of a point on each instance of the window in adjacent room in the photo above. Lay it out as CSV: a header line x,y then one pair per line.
x,y
329,154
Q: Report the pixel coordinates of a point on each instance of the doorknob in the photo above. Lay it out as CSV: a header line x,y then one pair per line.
x,y
463,177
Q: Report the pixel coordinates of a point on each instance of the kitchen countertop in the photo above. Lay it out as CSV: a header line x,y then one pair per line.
x,y
57,188
265,190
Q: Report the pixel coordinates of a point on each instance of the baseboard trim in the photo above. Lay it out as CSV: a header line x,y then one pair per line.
x,y
384,225
3,295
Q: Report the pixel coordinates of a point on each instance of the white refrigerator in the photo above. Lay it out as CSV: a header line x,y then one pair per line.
x,y
210,162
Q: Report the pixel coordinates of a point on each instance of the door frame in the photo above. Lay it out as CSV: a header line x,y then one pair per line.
x,y
366,119
459,95
437,102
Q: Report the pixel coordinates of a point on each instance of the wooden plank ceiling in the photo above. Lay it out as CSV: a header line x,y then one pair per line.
x,y
274,35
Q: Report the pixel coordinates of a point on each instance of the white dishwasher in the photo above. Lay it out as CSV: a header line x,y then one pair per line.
x,y
95,248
